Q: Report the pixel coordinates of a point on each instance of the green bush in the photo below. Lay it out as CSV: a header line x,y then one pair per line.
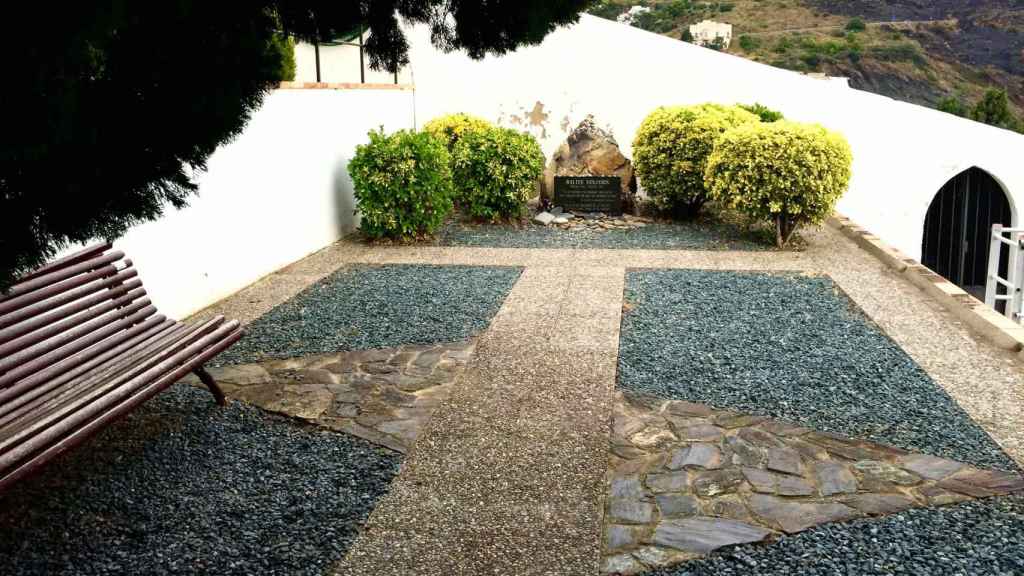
x,y
856,24
496,171
403,184
765,113
451,127
782,172
285,45
671,148
749,43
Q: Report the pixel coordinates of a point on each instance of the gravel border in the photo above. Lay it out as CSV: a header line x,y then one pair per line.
x,y
791,347
182,486
702,235
363,307
979,538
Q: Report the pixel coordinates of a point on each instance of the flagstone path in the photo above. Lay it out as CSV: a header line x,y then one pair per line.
x,y
510,473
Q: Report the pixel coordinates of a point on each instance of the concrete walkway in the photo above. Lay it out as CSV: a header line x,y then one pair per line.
x,y
508,475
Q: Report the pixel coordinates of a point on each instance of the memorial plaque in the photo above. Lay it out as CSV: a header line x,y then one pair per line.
x,y
589,194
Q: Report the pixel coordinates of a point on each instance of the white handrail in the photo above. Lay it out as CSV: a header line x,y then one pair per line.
x,y
1014,282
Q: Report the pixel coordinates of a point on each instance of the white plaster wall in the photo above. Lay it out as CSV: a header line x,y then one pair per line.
x,y
340,64
277,193
903,153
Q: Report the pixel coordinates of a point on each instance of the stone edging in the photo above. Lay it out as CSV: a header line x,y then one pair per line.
x,y
984,321
342,86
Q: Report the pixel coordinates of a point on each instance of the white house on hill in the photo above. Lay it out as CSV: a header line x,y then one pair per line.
x,y
706,32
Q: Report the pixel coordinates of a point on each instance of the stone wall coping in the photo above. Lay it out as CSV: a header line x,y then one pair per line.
x,y
343,86
982,320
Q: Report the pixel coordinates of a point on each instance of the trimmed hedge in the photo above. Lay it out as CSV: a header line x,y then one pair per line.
x,y
671,149
496,172
403,184
453,126
783,172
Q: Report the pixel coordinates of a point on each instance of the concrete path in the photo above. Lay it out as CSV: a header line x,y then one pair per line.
x,y
508,475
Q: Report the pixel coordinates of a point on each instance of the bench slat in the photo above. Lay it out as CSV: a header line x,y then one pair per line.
x,y
60,321
48,280
83,254
31,392
84,338
11,320
70,367
115,412
138,363
129,359
13,304
49,431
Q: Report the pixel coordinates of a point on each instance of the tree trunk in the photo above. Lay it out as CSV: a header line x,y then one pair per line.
x,y
779,241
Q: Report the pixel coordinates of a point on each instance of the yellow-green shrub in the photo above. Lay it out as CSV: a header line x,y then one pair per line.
x,y
403,184
671,149
783,172
451,127
496,172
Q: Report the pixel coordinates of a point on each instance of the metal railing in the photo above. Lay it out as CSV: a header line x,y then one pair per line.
x,y
1011,288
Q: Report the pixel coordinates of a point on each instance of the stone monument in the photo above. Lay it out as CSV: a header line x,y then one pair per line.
x,y
591,151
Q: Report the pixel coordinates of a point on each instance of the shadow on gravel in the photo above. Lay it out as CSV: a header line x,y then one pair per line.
x,y
184,487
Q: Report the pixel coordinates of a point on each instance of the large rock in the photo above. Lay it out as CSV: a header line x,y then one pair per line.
x,y
591,151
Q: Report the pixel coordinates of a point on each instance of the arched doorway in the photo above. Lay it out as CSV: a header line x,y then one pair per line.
x,y
957,228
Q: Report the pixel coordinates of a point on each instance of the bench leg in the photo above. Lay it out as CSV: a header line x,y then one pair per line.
x,y
205,377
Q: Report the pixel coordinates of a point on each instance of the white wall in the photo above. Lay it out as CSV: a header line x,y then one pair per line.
x,y
278,192
903,153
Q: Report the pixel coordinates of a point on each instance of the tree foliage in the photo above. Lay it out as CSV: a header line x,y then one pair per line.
x,y
994,109
783,172
671,149
116,103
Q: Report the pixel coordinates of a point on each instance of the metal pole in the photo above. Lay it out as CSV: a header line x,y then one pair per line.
x,y
362,65
316,50
995,249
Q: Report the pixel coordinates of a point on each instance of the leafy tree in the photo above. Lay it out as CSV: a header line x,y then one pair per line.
x,y
118,102
286,45
671,149
994,109
785,173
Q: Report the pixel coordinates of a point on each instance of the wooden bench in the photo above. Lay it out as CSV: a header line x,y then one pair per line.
x,y
80,347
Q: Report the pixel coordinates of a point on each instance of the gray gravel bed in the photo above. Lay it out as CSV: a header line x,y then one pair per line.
x,y
362,307
705,235
790,347
980,538
184,487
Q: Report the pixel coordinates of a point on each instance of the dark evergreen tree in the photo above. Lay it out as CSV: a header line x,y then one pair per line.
x,y
994,109
110,105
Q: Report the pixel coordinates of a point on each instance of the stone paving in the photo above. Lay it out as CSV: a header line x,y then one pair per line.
x,y
685,479
384,396
509,475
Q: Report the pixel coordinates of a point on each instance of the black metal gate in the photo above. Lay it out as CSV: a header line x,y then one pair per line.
x,y
958,225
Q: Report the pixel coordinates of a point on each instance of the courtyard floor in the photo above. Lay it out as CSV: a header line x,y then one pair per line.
x,y
663,407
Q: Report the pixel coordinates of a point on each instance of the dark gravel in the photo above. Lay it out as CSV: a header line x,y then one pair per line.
x,y
704,235
980,538
790,347
184,487
363,307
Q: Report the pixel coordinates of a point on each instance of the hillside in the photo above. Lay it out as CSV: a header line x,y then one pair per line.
x,y
920,51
